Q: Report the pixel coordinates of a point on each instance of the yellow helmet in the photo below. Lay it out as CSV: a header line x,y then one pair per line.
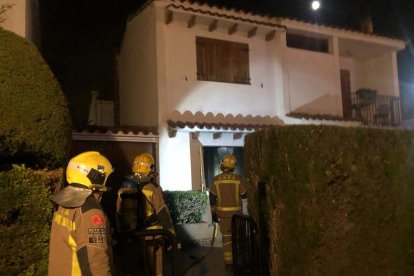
x,y
228,162
90,169
143,164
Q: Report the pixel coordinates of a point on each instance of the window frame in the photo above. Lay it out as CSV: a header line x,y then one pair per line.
x,y
222,61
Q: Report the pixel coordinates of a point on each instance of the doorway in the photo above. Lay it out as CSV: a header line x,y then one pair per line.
x,y
212,159
346,94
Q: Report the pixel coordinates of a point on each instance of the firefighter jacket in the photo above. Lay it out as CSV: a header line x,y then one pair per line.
x,y
143,208
127,209
226,194
80,241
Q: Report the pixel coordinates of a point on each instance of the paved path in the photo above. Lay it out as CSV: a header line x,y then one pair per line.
x,y
198,261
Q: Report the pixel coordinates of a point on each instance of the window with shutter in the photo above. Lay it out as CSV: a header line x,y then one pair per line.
x,y
222,61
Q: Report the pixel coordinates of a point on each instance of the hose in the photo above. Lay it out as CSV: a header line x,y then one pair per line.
x,y
199,260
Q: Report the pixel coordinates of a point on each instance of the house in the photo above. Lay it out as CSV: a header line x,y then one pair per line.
x,y
22,18
205,77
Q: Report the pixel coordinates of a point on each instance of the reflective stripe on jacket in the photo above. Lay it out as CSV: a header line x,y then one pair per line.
x,y
229,189
80,241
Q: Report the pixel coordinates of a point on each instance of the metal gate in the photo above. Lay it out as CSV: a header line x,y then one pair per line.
x,y
137,253
245,246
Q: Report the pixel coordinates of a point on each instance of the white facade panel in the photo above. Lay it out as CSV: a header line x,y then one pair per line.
x,y
312,83
186,93
138,72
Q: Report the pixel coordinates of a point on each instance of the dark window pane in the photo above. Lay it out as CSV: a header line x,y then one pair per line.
x,y
307,43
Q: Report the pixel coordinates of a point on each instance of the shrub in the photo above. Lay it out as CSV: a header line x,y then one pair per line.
x,y
339,201
25,215
35,126
186,206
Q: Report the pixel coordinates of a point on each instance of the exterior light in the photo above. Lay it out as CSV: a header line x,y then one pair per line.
x,y
316,5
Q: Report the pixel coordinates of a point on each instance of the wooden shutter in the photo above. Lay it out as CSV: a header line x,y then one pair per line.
x,y
223,61
241,72
201,49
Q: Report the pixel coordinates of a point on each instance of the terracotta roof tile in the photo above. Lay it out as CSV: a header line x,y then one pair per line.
x,y
119,130
217,126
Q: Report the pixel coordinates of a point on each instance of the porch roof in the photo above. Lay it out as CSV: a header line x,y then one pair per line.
x,y
237,129
125,133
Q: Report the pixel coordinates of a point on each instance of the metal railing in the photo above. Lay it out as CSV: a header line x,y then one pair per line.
x,y
245,246
140,252
377,110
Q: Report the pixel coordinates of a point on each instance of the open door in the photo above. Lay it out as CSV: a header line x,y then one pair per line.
x,y
346,94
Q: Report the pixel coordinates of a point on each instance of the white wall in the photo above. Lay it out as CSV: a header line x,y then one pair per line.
x,y
15,17
378,74
185,92
312,82
175,161
138,72
23,19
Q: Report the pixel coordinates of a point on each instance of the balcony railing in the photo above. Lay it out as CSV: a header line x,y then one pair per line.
x,y
377,110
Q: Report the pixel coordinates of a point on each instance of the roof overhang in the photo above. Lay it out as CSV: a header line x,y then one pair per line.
x,y
213,18
238,126
123,134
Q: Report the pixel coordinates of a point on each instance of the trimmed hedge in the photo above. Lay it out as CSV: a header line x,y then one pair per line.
x,y
25,215
339,201
186,206
35,126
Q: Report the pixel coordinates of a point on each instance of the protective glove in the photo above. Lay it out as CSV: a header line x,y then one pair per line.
x,y
214,217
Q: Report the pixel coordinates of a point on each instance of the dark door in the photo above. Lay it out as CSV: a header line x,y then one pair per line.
x,y
212,160
346,94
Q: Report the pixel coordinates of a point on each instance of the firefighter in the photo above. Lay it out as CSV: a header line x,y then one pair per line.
x,y
127,222
80,240
152,212
226,194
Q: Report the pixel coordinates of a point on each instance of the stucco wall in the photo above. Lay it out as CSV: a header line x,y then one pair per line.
x,y
15,17
379,74
312,82
23,19
185,92
138,72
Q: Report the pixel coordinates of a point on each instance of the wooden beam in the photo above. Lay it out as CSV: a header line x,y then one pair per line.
x,y
252,32
217,135
270,35
233,28
168,17
213,25
172,132
191,21
195,134
237,135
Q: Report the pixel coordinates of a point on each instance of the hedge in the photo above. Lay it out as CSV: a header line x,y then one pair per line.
x,y
186,206
25,215
35,126
338,201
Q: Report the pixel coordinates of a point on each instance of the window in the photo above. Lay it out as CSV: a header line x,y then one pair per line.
x,y
222,61
307,43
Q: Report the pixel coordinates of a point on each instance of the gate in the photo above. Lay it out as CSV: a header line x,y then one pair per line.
x,y
141,252
246,260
